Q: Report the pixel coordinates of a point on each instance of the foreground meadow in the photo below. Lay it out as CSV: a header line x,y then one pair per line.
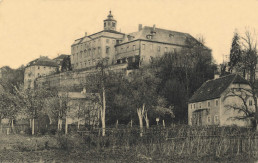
x,y
182,144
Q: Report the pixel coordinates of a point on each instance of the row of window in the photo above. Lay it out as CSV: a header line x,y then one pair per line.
x,y
88,44
143,48
216,119
194,106
86,63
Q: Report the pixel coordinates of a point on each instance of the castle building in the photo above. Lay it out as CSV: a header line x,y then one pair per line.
x,y
88,50
39,67
149,42
134,48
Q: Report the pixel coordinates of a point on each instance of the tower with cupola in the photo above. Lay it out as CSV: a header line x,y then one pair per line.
x,y
110,22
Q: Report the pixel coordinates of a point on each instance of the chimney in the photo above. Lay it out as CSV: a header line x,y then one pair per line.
x,y
154,27
85,33
140,27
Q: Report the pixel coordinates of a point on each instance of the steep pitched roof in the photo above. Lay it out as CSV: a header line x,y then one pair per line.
x,y
159,35
88,38
62,56
213,89
43,61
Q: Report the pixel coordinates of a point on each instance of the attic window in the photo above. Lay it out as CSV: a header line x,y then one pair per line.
x,y
171,35
149,36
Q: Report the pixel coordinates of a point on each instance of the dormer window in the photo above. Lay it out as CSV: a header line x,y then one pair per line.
x,y
149,36
171,35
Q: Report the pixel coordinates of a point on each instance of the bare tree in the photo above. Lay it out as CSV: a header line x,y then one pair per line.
x,y
244,107
250,61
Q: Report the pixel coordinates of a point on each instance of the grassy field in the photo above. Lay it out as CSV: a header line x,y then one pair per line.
x,y
177,145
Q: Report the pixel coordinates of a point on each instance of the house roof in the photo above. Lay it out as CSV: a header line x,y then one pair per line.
x,y
88,38
159,35
43,61
213,89
62,56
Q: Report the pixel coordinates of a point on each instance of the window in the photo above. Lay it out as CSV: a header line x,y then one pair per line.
x,y
105,24
99,50
38,67
216,118
107,50
143,46
200,105
194,106
149,36
158,48
250,102
107,40
134,47
133,59
113,24
209,119
209,104
217,102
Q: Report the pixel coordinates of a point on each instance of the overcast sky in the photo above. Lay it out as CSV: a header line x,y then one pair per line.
x,y
30,28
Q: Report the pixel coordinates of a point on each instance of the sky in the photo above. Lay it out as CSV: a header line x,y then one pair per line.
x,y
33,28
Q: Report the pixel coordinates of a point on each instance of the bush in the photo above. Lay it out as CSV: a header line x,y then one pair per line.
x,y
28,131
64,142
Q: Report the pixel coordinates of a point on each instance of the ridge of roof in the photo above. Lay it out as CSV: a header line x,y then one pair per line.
x,y
212,89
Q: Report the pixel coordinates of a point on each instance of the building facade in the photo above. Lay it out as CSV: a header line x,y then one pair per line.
x,y
42,66
134,48
88,50
214,102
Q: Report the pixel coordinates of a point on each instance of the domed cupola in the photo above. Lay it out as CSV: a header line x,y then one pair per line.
x,y
110,22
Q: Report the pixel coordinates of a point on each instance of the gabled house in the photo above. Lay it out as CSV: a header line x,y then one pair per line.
x,y
222,101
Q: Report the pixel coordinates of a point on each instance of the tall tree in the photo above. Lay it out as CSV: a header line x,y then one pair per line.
x,y
66,64
235,51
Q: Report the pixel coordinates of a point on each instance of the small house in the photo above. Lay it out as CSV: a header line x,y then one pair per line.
x,y
223,101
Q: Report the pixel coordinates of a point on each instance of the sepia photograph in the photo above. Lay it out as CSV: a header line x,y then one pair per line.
x,y
128,81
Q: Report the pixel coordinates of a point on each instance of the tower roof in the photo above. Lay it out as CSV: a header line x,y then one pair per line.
x,y
110,17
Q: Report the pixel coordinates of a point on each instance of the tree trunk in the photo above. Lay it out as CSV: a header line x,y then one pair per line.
x,y
163,123
30,123
66,126
33,127
103,113
116,123
13,129
59,125
140,112
147,120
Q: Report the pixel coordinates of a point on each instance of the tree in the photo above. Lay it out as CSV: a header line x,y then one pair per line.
x,y
182,73
235,52
243,106
138,92
248,66
66,64
32,102
250,61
